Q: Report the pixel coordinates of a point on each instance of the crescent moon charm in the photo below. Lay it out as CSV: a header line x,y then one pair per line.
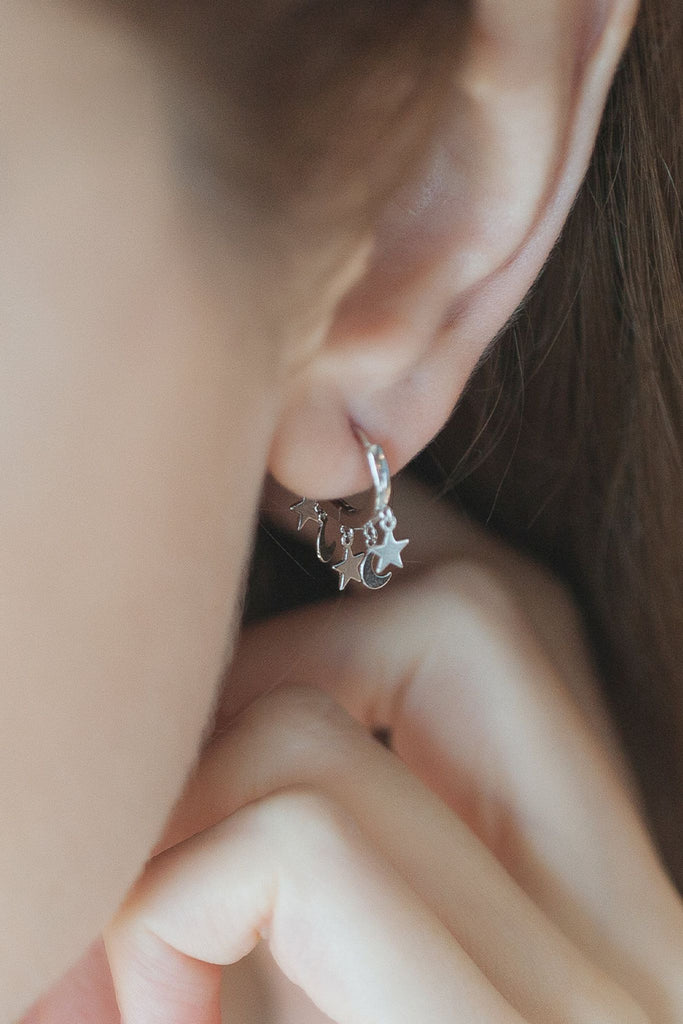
x,y
324,550
370,578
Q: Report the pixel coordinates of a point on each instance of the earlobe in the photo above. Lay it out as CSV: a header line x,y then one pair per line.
x,y
457,249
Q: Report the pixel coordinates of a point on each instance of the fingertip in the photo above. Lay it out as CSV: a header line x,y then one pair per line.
x,y
155,983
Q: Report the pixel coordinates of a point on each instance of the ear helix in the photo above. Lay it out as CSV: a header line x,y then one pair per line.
x,y
369,565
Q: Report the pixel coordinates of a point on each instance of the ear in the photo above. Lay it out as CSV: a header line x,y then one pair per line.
x,y
457,251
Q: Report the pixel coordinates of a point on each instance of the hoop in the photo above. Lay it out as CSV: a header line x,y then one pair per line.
x,y
368,567
379,471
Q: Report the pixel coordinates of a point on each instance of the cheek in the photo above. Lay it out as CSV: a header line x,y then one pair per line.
x,y
134,427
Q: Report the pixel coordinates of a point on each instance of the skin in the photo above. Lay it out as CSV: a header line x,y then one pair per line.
x,y
128,385
504,819
143,399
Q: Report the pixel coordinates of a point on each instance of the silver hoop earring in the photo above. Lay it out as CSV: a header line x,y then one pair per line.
x,y
369,566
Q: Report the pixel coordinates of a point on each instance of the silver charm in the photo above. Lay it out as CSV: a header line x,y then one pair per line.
x,y
389,551
308,510
371,579
369,567
324,551
350,566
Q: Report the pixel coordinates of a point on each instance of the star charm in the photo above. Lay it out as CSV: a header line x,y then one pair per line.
x,y
389,551
349,567
305,509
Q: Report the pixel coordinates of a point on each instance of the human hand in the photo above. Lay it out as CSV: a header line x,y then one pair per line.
x,y
494,867
479,669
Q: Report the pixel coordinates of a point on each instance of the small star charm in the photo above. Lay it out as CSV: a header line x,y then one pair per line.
x,y
389,551
306,510
349,568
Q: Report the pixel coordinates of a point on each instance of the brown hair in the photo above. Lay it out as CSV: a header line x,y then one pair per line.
x,y
568,439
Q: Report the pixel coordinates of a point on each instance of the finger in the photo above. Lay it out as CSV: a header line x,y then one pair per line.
x,y
340,923
479,714
85,995
299,736
452,536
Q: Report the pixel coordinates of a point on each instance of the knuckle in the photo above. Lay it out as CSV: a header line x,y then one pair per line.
x,y
305,712
305,819
501,592
477,592
301,699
